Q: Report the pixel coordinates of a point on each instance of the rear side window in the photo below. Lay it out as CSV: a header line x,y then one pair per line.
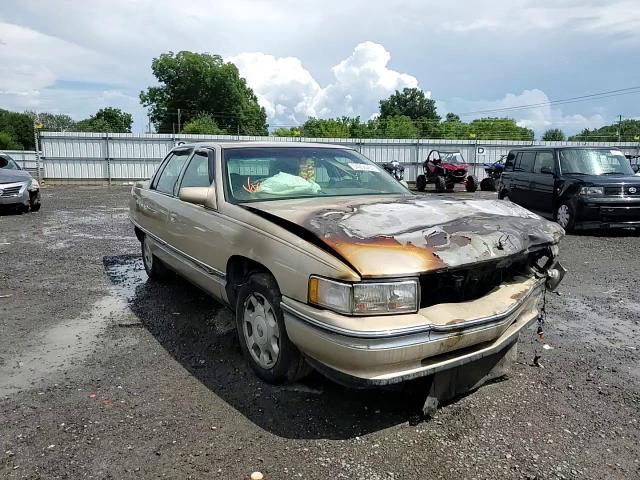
x,y
524,161
169,176
544,163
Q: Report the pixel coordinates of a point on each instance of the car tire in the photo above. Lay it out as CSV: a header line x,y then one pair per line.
x,y
488,184
153,266
504,195
441,184
262,333
564,216
35,206
471,184
421,183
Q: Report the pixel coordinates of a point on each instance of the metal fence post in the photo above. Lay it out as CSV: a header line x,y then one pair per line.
x,y
107,156
36,141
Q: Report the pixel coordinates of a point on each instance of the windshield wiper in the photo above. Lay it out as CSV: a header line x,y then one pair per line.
x,y
575,173
613,173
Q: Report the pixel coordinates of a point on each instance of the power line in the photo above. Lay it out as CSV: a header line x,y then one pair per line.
x,y
581,98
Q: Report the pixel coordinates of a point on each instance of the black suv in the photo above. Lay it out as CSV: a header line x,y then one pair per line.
x,y
579,187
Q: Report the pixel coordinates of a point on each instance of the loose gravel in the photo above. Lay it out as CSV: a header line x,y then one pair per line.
x,y
105,375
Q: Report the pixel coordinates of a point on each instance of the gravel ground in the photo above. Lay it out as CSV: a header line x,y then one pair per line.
x,y
105,375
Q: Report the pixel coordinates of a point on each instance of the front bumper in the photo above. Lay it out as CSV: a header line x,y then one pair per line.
x,y
14,194
441,337
608,212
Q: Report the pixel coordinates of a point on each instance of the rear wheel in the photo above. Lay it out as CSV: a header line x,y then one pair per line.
x,y
504,195
421,183
154,267
262,334
441,184
488,184
471,184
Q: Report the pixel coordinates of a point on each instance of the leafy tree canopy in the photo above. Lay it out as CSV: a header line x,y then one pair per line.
x,y
202,83
19,127
7,142
108,120
553,134
629,132
203,124
412,103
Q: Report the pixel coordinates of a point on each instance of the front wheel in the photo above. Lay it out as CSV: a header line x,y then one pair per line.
x,y
421,183
488,184
471,184
262,334
441,184
565,216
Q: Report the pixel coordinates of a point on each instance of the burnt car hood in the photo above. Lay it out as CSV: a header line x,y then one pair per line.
x,y
407,234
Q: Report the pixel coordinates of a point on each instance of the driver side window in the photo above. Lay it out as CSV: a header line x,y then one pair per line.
x,y
166,182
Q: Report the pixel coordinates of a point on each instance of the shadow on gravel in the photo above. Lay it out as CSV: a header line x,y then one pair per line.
x,y
200,334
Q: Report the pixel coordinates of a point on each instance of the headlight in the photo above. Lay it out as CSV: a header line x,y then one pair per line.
x,y
34,185
366,298
592,191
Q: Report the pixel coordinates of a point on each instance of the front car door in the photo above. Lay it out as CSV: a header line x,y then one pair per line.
x,y
543,180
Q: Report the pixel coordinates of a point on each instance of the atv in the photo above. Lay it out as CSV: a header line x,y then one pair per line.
x,y
494,172
445,169
396,170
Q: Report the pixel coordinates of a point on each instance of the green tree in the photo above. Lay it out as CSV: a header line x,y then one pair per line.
x,y
19,126
629,132
413,103
7,142
453,128
498,129
106,120
326,127
203,124
399,126
553,134
287,132
54,122
202,83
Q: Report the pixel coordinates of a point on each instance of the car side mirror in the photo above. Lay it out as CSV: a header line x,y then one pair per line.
x,y
205,196
511,157
546,170
3,162
635,168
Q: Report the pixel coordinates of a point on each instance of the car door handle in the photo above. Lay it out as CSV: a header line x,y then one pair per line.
x,y
172,217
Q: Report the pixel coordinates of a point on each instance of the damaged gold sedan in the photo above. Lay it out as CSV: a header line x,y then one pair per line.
x,y
330,262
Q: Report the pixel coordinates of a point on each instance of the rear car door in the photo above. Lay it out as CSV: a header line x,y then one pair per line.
x,y
155,204
520,178
543,180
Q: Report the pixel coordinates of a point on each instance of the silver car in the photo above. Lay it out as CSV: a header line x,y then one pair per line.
x,y
18,189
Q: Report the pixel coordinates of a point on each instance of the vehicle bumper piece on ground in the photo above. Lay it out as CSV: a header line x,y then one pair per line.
x,y
471,331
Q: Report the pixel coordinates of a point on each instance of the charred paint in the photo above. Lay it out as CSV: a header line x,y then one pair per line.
x,y
398,235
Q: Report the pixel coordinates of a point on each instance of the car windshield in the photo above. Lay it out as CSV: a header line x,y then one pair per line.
x,y
451,157
591,161
275,173
7,163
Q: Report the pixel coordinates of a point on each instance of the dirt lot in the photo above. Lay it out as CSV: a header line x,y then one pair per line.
x,y
104,375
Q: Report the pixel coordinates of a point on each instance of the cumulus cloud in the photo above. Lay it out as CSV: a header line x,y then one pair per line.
x,y
290,93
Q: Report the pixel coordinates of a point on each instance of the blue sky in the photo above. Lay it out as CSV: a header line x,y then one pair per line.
x,y
334,57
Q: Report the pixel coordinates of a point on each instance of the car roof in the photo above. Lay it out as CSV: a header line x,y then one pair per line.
x,y
261,145
562,147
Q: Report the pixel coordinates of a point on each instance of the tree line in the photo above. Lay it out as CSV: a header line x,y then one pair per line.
x,y
200,93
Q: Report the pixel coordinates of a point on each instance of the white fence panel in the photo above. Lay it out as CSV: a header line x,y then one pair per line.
x,y
126,157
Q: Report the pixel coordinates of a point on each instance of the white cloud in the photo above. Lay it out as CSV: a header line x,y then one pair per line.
x,y
538,119
290,93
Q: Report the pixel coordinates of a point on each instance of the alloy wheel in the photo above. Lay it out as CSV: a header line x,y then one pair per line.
x,y
261,331
563,216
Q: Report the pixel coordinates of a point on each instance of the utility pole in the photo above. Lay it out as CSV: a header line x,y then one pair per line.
x,y
179,129
619,128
